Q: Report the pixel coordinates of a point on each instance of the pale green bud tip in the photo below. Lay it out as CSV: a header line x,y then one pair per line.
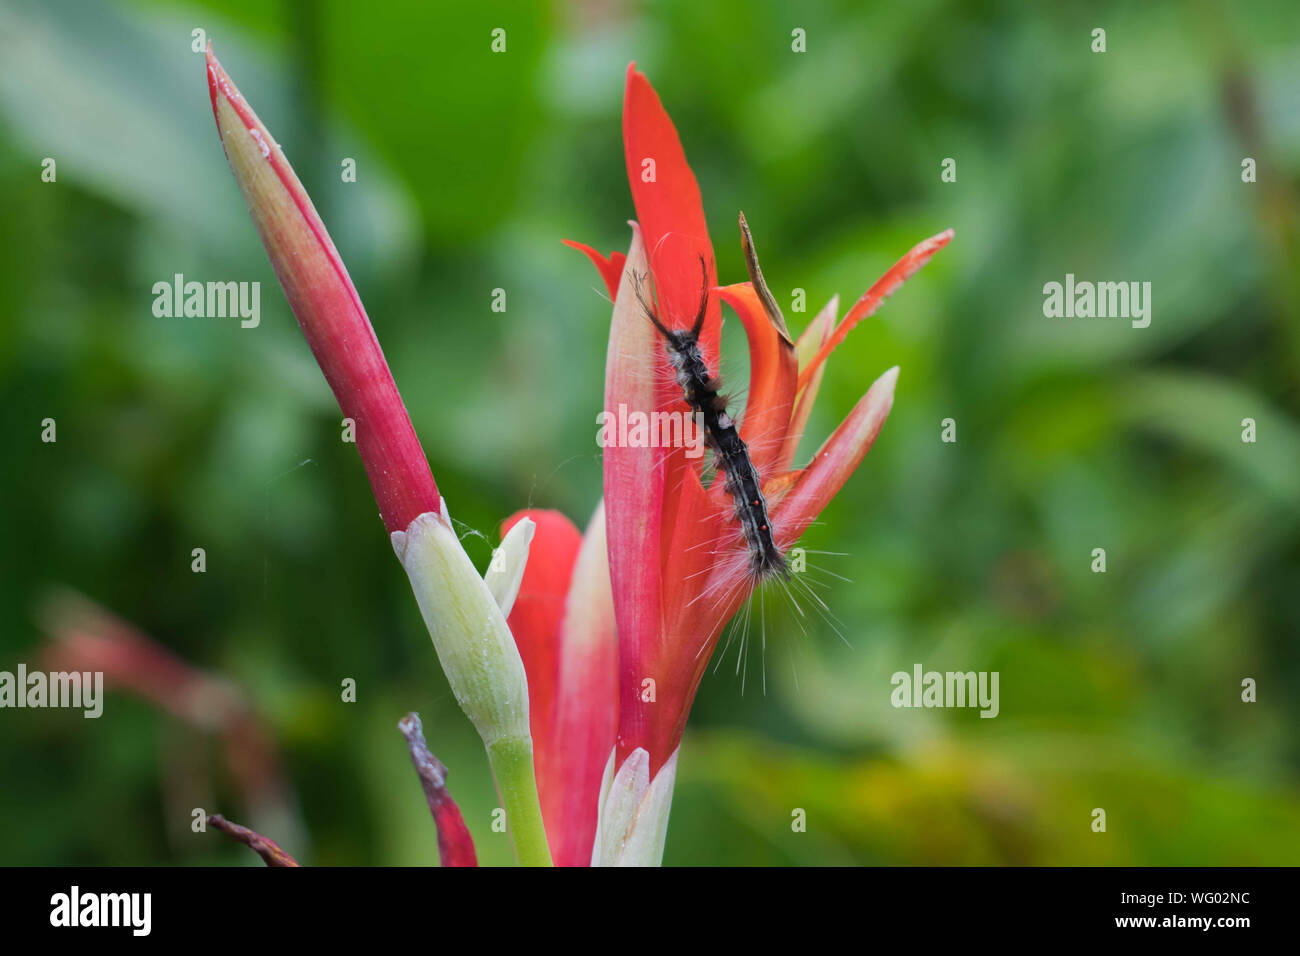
x,y
632,822
467,625
506,571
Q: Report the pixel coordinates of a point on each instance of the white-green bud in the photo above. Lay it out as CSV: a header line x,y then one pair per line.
x,y
467,624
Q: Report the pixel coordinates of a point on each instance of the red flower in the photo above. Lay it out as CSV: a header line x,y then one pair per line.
x,y
660,559
676,559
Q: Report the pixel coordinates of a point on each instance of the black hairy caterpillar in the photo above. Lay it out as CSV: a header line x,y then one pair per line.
x,y
700,389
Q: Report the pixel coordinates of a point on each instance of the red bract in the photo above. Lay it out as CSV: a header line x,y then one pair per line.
x,y
563,624
455,845
676,559
327,307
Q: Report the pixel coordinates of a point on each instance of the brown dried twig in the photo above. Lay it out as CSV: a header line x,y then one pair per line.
x,y
268,850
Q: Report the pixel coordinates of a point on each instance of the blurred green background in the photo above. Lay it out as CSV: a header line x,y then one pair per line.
x,y
1118,690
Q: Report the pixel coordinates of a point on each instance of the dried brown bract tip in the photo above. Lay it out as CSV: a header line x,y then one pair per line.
x,y
756,277
268,850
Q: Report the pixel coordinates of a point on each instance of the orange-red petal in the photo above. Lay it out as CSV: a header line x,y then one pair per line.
x,y
834,462
609,268
670,211
875,297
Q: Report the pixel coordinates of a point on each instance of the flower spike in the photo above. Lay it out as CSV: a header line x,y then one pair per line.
x,y
327,306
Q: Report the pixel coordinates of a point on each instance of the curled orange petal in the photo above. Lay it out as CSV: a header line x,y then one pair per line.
x,y
773,369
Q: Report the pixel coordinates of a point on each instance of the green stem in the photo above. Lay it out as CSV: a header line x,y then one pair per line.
x,y
512,765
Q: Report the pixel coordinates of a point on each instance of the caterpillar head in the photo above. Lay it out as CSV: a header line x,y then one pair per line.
x,y
678,339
